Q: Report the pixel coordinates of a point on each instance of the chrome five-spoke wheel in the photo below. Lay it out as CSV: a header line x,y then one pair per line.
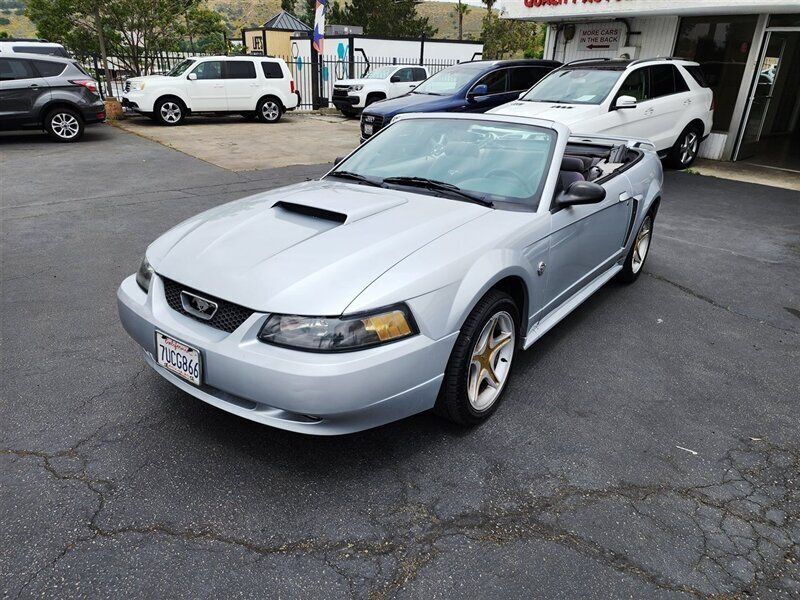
x,y
170,112
65,125
642,244
491,361
689,147
270,111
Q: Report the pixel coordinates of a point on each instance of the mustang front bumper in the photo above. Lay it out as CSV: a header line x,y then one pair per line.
x,y
316,393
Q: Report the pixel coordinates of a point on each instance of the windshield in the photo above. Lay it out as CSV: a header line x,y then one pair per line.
x,y
494,161
180,68
574,86
448,81
381,73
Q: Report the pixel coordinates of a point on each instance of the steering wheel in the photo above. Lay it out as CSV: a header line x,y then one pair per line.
x,y
508,173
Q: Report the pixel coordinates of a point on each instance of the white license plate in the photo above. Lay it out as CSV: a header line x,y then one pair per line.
x,y
368,129
176,357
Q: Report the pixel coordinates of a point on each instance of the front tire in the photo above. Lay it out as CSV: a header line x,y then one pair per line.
x,y
480,363
686,149
634,262
269,110
64,125
170,111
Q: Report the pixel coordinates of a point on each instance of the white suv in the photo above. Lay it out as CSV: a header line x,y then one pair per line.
x,y
253,86
664,100
351,95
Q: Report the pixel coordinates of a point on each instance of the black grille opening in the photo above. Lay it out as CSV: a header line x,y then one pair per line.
x,y
228,317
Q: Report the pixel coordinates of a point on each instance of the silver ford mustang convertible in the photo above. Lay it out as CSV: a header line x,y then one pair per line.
x,y
405,279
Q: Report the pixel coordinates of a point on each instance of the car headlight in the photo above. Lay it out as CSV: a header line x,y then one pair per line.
x,y
339,334
356,88
144,275
137,85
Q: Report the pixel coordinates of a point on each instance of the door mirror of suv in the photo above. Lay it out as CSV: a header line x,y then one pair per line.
x,y
395,79
191,76
478,90
337,160
581,192
626,102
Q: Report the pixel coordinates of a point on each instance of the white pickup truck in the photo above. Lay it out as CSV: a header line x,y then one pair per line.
x,y
351,95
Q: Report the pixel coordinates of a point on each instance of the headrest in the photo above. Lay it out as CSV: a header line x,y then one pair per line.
x,y
572,164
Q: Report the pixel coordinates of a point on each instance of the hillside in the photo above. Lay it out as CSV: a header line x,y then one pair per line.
x,y
13,21
443,16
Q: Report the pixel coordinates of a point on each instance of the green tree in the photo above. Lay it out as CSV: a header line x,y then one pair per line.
x,y
385,18
288,6
462,10
4,35
504,38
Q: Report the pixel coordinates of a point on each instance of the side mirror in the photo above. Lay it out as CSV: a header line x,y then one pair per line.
x,y
337,160
191,76
581,192
395,79
626,102
478,90
522,94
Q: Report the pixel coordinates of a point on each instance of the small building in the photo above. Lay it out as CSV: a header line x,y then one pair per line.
x,y
749,51
274,37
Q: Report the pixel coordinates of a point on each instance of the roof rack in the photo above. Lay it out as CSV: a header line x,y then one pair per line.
x,y
584,60
641,60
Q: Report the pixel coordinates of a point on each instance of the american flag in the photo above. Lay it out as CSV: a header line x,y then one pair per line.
x,y
319,25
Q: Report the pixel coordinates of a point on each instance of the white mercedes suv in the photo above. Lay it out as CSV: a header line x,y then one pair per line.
x,y
351,95
253,86
664,100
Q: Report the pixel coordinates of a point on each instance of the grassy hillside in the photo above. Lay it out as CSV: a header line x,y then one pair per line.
x,y
442,15
18,24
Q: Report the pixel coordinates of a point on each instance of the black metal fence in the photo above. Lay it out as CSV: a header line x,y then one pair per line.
x,y
327,70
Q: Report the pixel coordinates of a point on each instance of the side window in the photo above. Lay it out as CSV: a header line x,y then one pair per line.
x,y
635,85
496,81
11,69
420,74
49,69
662,81
405,75
680,82
697,74
523,78
211,69
272,70
240,69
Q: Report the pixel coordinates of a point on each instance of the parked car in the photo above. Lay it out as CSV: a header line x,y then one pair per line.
x,y
253,86
474,86
32,46
50,93
406,279
352,95
662,99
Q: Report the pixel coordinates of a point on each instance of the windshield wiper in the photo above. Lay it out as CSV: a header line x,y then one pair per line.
x,y
438,186
355,177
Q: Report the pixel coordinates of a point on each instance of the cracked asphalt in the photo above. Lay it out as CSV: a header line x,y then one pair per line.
x,y
648,446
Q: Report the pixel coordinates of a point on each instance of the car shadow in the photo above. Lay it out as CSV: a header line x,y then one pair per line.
x,y
35,136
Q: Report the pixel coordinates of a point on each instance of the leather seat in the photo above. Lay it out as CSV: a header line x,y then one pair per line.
x,y
571,171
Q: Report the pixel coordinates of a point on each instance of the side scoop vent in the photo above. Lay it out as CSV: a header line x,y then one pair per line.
x,y
311,211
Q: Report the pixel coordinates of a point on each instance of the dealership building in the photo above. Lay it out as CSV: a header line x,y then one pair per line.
x,y
749,51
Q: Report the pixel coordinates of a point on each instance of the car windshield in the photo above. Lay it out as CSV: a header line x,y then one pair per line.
x,y
448,81
180,68
488,162
381,73
574,86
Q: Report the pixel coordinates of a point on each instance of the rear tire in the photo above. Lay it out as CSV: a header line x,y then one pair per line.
x,y
170,111
480,363
640,250
64,125
686,149
269,110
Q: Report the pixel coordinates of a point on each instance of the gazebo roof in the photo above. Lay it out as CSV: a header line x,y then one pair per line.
x,y
286,22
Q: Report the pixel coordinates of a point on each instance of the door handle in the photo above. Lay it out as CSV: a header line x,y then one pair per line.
x,y
649,112
34,85
625,196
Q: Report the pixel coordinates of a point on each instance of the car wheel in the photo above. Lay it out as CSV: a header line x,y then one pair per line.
x,y
269,110
634,262
480,364
64,125
170,111
686,148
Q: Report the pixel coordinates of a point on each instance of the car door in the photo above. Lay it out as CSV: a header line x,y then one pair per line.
x,y
403,81
242,86
586,240
20,86
207,92
670,101
635,121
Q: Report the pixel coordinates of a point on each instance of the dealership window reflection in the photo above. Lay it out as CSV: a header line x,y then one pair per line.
x,y
721,46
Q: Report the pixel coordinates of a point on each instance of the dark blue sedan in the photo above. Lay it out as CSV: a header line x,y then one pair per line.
x,y
473,86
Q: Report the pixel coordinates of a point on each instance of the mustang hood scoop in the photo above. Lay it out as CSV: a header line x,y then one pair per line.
x,y
275,251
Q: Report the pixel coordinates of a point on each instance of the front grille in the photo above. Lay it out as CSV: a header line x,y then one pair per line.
x,y
340,92
375,120
227,318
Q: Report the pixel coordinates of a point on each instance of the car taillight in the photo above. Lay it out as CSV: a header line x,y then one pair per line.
x,y
89,84
291,86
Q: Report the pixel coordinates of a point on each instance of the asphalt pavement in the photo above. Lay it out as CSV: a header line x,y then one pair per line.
x,y
648,446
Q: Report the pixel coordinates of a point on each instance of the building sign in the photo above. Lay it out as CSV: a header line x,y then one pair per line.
x,y
593,37
545,3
